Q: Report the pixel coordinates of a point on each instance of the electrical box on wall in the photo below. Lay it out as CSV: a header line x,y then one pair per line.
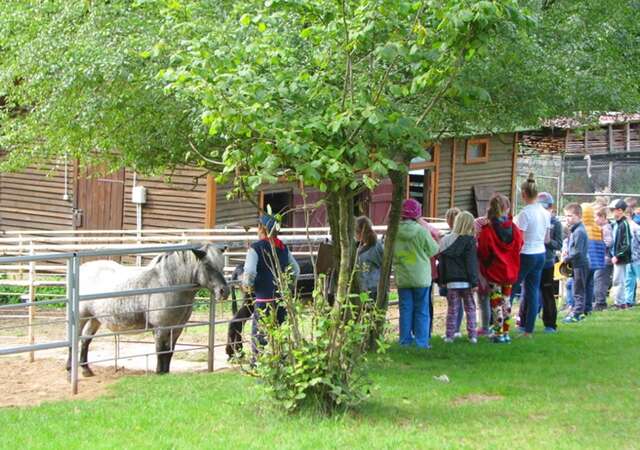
x,y
139,195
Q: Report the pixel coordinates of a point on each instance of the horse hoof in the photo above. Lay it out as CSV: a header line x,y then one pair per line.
x,y
86,372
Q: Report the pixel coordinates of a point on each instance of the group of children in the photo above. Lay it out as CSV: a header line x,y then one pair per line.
x,y
489,256
485,257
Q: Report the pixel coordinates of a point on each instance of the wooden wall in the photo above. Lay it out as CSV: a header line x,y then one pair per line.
x,y
177,200
497,172
33,199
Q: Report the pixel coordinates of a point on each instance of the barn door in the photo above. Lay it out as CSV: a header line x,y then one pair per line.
x,y
99,201
380,204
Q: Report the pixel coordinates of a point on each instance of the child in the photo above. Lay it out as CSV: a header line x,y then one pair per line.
x,y
602,277
450,217
577,255
620,251
499,245
369,258
260,276
413,248
632,273
459,273
597,251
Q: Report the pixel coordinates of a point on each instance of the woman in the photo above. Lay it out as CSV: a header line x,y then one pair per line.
x,y
534,222
413,249
266,259
369,256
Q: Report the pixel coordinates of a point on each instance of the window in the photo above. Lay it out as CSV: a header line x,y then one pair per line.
x,y
477,151
280,202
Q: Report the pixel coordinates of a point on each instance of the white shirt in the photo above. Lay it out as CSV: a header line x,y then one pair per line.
x,y
534,221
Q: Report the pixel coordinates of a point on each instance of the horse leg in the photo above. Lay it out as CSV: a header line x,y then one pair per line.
x,y
176,334
83,322
90,329
163,346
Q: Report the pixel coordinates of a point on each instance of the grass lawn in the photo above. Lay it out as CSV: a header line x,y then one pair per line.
x,y
577,389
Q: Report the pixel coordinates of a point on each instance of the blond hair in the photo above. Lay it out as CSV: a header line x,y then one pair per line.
x,y
463,225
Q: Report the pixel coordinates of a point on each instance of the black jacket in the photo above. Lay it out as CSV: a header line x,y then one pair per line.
x,y
622,242
459,262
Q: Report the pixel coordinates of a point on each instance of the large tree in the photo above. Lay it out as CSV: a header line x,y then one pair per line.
x,y
334,93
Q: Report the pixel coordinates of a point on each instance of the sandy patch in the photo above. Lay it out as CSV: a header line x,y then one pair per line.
x,y
45,380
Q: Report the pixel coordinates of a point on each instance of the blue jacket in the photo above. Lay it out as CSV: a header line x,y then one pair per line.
x,y
578,247
368,266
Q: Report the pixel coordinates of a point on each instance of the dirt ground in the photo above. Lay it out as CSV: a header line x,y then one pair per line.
x,y
27,383
45,380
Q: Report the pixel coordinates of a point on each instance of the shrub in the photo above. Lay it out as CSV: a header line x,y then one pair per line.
x,y
316,359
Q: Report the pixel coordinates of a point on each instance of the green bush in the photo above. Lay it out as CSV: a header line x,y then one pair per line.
x,y
316,359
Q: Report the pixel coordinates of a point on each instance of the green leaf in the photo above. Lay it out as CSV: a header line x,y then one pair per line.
x,y
245,19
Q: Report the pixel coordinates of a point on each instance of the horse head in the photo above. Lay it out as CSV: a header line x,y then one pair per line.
x,y
210,271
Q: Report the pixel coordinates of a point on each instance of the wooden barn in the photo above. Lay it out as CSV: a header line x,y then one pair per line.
x,y
460,172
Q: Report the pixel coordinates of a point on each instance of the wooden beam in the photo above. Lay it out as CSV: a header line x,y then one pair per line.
x,y
514,166
436,181
452,192
211,204
610,138
627,132
586,142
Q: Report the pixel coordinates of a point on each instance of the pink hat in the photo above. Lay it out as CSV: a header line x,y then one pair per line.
x,y
411,209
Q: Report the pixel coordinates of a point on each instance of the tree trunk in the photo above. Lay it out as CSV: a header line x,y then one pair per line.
x,y
398,179
346,243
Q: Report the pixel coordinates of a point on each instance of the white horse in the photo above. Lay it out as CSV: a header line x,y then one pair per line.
x,y
203,267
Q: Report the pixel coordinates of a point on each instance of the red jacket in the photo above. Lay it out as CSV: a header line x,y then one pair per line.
x,y
499,257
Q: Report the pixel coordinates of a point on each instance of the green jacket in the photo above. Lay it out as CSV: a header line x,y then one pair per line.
x,y
413,248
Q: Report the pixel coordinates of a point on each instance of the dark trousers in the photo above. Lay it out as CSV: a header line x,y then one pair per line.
x,y
579,290
547,292
589,293
262,310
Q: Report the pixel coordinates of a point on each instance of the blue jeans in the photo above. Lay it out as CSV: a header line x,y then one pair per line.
x,y
569,293
414,316
630,280
530,274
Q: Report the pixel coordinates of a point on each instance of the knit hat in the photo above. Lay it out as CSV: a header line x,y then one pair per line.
x,y
545,199
618,204
268,222
411,209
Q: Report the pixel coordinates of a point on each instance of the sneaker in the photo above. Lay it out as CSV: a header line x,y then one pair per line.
x,y
482,332
448,340
550,330
473,340
599,308
506,338
498,339
569,319
457,335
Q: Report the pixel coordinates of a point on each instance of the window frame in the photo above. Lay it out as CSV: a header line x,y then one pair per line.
x,y
477,160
